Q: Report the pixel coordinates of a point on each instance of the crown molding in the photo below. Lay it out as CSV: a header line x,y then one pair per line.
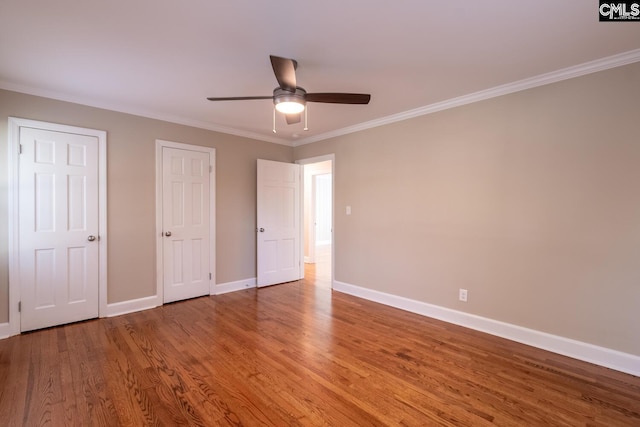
x,y
138,112
520,85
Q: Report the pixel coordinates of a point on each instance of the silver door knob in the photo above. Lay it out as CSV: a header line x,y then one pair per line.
x,y
261,230
91,238
168,234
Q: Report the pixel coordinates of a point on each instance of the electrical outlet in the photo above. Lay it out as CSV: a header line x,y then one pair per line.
x,y
462,295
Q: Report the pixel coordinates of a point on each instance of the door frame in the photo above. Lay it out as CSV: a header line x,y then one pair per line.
x,y
14,126
318,159
160,144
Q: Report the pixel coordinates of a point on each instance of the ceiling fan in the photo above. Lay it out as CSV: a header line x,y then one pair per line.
x,y
290,99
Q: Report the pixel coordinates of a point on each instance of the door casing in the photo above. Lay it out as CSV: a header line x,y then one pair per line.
x,y
13,326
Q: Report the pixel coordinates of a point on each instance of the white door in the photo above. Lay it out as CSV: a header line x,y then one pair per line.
x,y
58,228
278,223
185,223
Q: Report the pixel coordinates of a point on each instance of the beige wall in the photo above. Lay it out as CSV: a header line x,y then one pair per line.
x,y
530,201
131,191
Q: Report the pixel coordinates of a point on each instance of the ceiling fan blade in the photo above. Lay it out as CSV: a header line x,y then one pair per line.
x,y
239,98
339,98
285,71
293,118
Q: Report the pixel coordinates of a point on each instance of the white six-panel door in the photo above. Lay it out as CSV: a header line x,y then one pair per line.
x,y
58,228
278,223
185,223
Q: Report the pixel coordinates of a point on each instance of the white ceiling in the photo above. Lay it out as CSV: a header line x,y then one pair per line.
x,y
162,58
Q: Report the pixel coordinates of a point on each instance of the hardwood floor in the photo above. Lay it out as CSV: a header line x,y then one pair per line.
x,y
296,355
320,273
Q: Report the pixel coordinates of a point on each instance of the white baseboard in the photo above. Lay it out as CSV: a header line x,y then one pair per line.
x,y
238,285
5,330
602,356
146,303
131,306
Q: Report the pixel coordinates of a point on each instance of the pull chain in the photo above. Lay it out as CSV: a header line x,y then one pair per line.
x,y
306,127
274,120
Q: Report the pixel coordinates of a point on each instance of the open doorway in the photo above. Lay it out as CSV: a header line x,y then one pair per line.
x,y
318,220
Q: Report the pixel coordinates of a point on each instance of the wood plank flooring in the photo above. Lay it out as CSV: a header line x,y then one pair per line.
x,y
297,355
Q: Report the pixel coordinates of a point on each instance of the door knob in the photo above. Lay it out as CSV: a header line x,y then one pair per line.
x,y
91,238
168,234
261,230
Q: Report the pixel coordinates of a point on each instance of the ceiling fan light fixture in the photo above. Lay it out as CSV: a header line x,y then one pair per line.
x,y
288,102
289,107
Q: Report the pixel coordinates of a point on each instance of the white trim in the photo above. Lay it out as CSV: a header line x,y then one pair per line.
x,y
14,244
102,222
13,143
520,85
132,306
602,64
128,109
317,159
602,356
160,144
5,330
238,285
